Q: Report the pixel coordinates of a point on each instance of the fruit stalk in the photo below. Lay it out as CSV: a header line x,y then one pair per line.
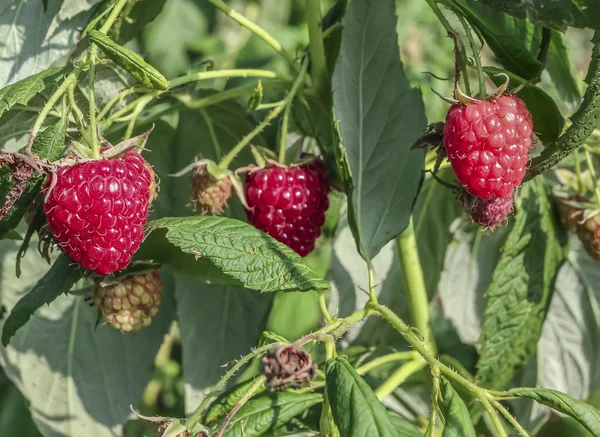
x,y
415,283
399,377
257,30
95,146
272,115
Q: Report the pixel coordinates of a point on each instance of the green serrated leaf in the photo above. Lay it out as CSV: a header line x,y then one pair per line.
x,y
59,279
521,288
241,252
548,122
505,36
404,427
47,145
130,61
458,419
380,117
556,14
356,410
560,68
584,413
19,93
269,411
68,9
226,401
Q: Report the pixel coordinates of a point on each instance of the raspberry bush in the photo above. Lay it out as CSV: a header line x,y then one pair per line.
x,y
247,218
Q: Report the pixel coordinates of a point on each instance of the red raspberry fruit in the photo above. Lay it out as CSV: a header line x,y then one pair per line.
x,y
488,213
488,143
289,203
98,209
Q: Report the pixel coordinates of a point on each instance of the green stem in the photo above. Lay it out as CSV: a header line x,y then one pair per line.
x,y
257,30
386,359
326,423
77,115
318,62
584,121
71,79
440,16
119,97
95,145
592,170
476,57
114,14
231,93
226,161
510,418
136,113
193,419
435,392
256,385
399,377
415,283
283,134
323,307
372,295
236,72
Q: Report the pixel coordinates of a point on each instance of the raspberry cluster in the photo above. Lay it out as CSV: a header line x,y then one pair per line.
x,y
289,203
97,210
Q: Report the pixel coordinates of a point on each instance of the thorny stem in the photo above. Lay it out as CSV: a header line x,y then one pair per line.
x,y
386,359
226,161
77,114
399,377
283,133
318,69
256,385
415,282
592,170
238,72
119,97
257,30
114,14
326,423
435,373
323,307
372,296
510,418
476,56
193,419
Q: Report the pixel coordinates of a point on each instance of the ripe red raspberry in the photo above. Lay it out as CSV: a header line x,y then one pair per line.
x,y
488,143
98,209
289,203
488,213
129,305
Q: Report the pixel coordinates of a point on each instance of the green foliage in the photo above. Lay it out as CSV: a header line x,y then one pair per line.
x,y
405,427
560,69
241,252
506,37
554,14
21,92
47,145
59,279
356,410
130,61
584,413
458,420
142,13
268,412
521,288
380,116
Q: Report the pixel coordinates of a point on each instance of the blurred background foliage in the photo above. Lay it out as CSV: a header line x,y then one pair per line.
x,y
189,32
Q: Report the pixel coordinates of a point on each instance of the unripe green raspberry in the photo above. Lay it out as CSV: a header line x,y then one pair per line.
x,y
130,304
209,193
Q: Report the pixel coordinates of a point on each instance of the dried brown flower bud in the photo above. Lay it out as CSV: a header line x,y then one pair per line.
x,y
287,364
